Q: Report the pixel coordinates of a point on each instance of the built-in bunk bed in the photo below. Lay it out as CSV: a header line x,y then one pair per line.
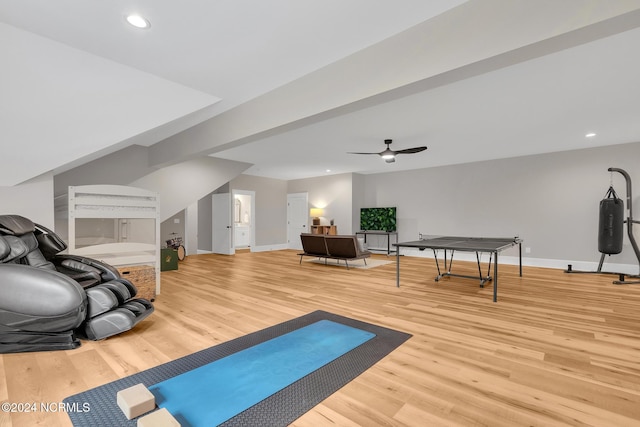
x,y
116,224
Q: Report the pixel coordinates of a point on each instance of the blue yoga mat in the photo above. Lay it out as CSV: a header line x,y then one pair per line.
x,y
213,393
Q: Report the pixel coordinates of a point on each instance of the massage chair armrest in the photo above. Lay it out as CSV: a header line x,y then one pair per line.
x,y
106,271
81,268
84,274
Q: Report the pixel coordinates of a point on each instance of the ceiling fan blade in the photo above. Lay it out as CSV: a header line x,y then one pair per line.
x,y
411,150
389,154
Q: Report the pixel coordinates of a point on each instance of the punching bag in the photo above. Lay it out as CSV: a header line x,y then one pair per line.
x,y
611,224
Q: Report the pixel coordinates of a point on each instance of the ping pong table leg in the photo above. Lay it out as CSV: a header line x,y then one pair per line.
x,y
397,267
520,254
495,279
435,256
489,268
450,261
480,269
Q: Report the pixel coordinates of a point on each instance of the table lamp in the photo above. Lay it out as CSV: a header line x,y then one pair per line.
x,y
316,213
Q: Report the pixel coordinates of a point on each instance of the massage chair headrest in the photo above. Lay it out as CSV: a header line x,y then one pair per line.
x,y
49,242
16,225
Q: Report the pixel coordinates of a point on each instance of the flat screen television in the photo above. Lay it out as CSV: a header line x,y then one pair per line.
x,y
379,219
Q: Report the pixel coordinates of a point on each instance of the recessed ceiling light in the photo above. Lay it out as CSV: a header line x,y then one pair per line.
x,y
138,21
590,135
328,170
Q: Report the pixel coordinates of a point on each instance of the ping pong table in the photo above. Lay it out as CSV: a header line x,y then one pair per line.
x,y
450,244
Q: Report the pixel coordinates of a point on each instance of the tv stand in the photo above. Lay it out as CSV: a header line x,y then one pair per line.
x,y
380,233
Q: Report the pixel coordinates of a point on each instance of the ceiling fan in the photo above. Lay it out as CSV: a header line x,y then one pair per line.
x,y
389,155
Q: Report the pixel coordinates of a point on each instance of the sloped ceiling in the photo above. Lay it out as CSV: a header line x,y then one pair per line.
x,y
281,84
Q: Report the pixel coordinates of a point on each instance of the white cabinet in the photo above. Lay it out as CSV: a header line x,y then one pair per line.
x,y
241,236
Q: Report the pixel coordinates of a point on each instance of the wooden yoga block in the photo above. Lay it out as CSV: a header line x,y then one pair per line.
x,y
143,278
159,418
135,401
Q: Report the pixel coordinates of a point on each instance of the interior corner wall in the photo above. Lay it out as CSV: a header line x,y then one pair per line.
x,y
550,200
358,199
32,199
173,227
185,183
205,224
270,207
191,229
332,193
119,168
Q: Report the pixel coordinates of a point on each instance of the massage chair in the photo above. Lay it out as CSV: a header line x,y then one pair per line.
x,y
49,301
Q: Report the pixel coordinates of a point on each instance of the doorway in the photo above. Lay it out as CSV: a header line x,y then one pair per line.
x,y
244,213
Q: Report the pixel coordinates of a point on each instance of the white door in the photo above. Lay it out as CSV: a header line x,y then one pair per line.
x,y
222,240
297,218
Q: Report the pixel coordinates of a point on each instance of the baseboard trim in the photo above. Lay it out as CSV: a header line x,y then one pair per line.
x,y
267,248
560,264
529,262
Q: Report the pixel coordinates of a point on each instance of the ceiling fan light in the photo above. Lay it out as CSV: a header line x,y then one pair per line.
x,y
388,154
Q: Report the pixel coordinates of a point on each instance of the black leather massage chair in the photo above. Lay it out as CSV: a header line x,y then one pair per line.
x,y
49,301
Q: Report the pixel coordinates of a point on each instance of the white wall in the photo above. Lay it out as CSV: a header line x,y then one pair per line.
x,y
270,208
191,229
205,231
332,193
119,168
185,183
32,199
179,185
549,200
358,199
175,226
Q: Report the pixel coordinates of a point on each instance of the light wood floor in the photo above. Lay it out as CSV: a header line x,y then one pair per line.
x,y
557,349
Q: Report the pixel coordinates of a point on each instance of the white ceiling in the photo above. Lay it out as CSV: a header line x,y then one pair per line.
x,y
77,82
542,105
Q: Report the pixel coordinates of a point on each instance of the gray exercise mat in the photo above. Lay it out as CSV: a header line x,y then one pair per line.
x,y
279,409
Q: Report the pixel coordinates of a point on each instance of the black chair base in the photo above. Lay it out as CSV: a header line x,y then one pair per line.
x,y
20,342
